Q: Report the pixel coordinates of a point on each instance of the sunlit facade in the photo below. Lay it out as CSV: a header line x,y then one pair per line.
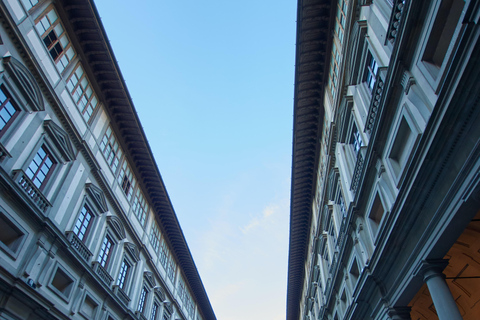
x,y
385,202
87,230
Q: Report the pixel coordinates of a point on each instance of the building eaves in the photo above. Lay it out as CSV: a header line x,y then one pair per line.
x,y
314,37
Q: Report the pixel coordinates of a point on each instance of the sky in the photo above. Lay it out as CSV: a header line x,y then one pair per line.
x,y
212,83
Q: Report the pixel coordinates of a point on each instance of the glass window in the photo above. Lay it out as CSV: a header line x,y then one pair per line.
x,y
155,237
154,311
122,276
82,93
41,167
371,71
105,251
111,149
83,223
55,38
140,207
7,108
127,180
141,302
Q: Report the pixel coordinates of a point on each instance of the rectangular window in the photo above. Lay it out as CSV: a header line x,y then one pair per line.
x,y
8,110
164,254
55,38
141,302
105,251
29,4
356,139
155,237
140,207
341,19
154,311
82,92
41,167
83,223
171,269
62,282
11,237
111,149
371,71
122,276
127,180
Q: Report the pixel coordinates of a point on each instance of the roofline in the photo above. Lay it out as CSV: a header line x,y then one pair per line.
x,y
314,39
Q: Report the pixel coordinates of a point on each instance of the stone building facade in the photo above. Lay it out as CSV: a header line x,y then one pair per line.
x,y
87,230
385,205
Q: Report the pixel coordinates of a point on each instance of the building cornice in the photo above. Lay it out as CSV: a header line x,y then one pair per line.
x,y
314,37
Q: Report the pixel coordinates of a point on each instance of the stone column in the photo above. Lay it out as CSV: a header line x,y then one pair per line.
x,y
437,286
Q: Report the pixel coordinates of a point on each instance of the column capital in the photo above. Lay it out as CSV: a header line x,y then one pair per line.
x,y
430,267
399,313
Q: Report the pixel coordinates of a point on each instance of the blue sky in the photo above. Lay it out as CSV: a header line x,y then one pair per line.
x,y
212,82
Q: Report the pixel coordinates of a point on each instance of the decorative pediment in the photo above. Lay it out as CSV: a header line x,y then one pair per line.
x,y
168,306
160,292
132,250
26,82
149,278
60,138
117,226
97,196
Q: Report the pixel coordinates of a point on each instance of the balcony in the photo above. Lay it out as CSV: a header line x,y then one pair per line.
x,y
358,170
121,294
78,245
395,20
102,273
377,94
31,190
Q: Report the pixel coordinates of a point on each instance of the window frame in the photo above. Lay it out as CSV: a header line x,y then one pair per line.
x,y
45,146
109,145
110,253
51,286
8,99
74,89
45,32
14,250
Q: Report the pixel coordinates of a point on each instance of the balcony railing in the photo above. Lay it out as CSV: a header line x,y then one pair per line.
x,y
395,20
31,190
78,245
377,93
102,273
357,172
121,294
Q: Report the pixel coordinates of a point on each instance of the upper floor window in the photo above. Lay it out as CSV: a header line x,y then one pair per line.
x,y
123,274
8,110
82,92
82,226
371,71
334,69
41,167
341,19
140,207
153,316
356,139
111,149
29,4
55,38
105,251
141,301
127,180
155,237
